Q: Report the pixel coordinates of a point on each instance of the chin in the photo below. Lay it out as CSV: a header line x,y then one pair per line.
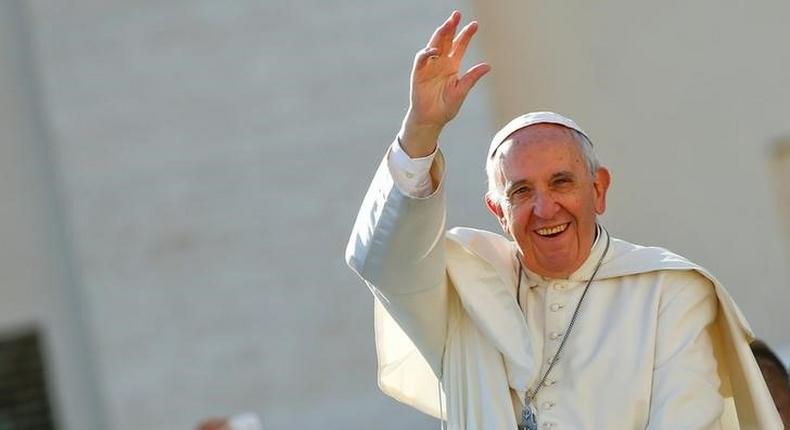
x,y
558,266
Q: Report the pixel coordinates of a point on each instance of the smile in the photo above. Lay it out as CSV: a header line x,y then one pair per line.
x,y
552,231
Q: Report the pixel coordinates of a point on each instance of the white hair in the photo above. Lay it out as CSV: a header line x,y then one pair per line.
x,y
493,163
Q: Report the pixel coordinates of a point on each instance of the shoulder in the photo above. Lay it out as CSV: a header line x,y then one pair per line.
x,y
681,279
684,288
678,279
626,258
470,250
489,246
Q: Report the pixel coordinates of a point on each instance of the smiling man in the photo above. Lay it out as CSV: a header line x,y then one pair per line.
x,y
545,193
560,326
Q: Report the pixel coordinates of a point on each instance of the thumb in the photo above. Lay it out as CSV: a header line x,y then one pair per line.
x,y
470,78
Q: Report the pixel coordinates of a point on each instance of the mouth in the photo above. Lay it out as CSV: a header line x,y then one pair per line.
x,y
550,232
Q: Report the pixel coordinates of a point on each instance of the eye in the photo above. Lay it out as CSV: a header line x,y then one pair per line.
x,y
562,181
520,192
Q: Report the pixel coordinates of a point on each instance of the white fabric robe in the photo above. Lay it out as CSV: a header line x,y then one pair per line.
x,y
446,310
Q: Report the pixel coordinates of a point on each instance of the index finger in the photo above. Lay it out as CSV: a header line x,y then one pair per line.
x,y
442,37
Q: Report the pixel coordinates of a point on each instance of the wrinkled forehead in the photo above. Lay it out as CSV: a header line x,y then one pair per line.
x,y
546,136
540,140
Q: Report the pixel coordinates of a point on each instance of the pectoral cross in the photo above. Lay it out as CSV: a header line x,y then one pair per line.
x,y
528,419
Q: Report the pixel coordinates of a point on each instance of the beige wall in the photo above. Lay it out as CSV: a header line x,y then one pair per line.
x,y
214,155
682,101
780,176
38,288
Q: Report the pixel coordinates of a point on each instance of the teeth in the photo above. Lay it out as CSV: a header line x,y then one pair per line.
x,y
552,230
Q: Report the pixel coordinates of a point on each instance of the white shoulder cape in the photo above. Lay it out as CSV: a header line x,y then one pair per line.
x,y
479,264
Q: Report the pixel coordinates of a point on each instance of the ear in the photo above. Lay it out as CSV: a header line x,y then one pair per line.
x,y
601,185
495,208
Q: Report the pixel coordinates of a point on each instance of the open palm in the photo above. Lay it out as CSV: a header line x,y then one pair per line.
x,y
437,88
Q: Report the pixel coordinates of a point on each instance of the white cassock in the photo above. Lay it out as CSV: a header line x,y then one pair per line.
x,y
658,344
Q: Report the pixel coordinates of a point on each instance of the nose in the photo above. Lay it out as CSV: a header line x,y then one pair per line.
x,y
545,205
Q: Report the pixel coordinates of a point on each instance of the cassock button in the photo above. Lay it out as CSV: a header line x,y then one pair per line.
x,y
549,382
559,287
547,425
555,307
555,335
548,405
408,175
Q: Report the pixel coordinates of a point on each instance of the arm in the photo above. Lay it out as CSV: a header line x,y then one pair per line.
x,y
396,245
685,392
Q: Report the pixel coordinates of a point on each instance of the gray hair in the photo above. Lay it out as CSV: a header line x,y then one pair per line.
x,y
493,163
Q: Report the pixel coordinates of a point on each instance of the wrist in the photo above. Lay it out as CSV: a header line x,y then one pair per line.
x,y
419,140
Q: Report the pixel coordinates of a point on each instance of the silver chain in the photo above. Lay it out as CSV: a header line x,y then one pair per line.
x,y
532,393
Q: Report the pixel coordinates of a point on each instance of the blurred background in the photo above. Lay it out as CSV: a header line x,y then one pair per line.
x,y
179,179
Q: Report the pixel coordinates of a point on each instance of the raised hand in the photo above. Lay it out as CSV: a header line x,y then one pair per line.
x,y
437,90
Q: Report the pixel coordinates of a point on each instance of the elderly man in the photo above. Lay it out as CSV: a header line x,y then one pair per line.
x,y
562,327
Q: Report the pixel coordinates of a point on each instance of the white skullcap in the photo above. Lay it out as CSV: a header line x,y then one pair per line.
x,y
526,120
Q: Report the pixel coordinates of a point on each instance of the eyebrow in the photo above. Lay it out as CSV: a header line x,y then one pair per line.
x,y
509,188
563,175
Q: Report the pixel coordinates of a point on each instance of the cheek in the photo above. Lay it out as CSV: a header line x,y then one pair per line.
x,y
580,205
518,216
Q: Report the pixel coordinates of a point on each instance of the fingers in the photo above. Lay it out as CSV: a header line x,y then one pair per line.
x,y
462,40
470,78
443,36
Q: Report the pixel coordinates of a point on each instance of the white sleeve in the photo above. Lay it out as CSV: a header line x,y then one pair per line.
x,y
397,247
412,175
